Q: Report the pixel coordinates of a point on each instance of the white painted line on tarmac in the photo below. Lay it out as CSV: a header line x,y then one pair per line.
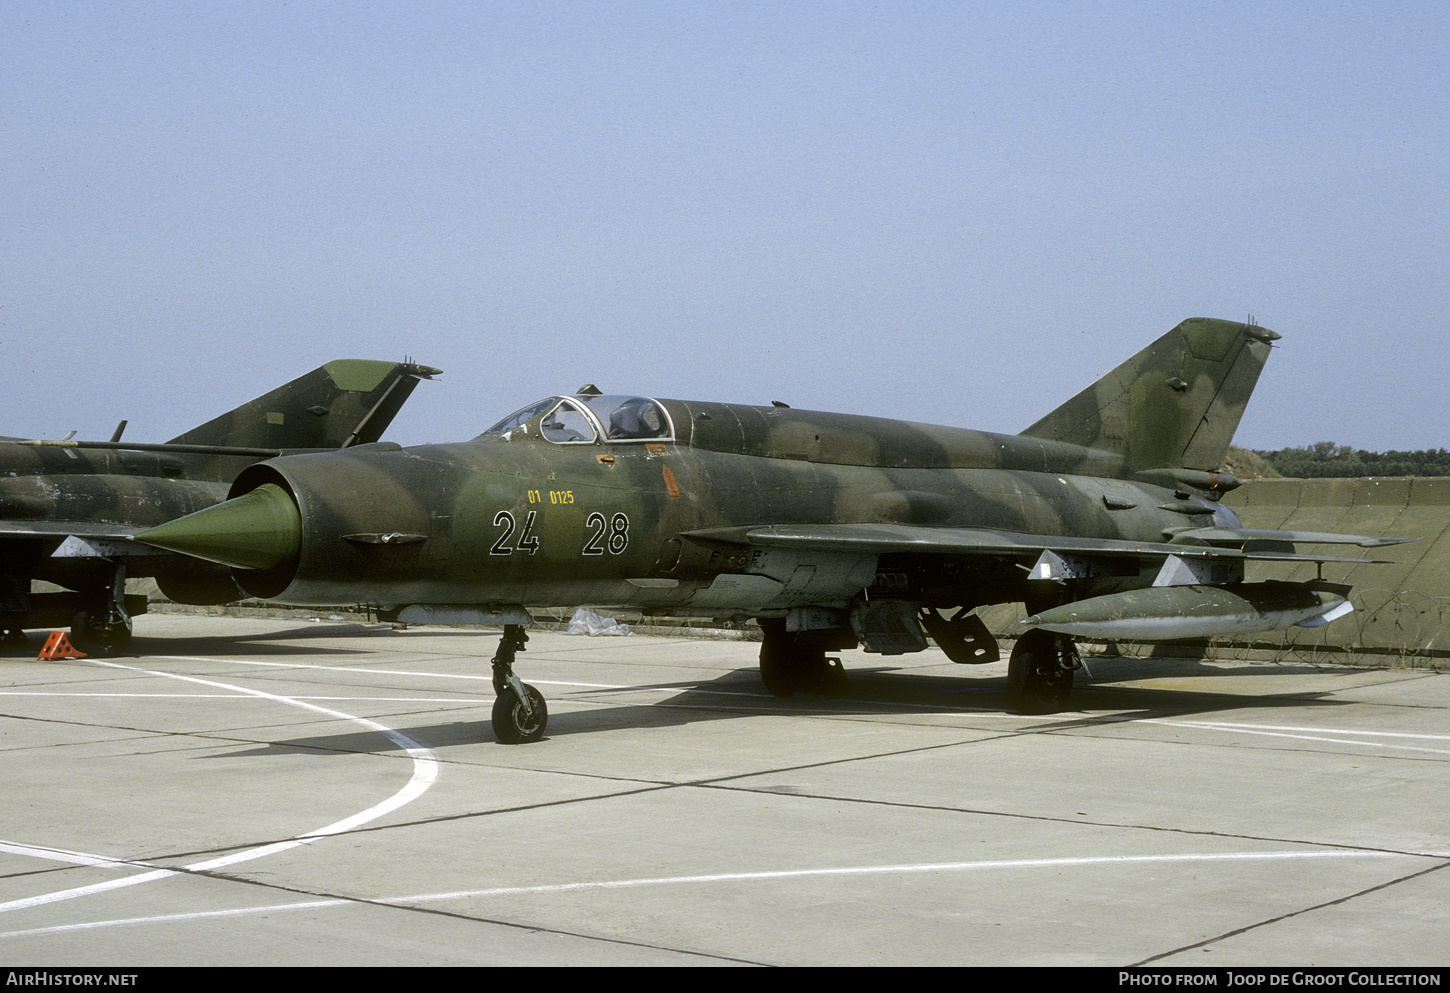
x,y
1050,863
381,672
729,877
225,697
1350,737
687,687
425,773
126,696
1281,727
62,855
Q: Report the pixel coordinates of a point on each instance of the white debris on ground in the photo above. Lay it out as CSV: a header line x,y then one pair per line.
x,y
590,623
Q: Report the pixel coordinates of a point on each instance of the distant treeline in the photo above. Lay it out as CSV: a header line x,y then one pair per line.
x,y
1326,459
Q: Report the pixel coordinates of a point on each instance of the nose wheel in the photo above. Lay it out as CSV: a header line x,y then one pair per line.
x,y
520,716
519,712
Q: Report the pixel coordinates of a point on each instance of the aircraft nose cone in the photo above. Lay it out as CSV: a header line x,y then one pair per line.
x,y
258,530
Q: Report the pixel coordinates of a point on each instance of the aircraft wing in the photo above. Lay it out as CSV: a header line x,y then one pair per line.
x,y
881,539
1241,536
77,539
61,529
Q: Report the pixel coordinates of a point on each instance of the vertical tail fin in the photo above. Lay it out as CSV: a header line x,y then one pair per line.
x,y
349,401
346,402
1176,404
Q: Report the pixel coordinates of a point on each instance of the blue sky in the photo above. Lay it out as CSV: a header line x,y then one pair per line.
x,y
953,212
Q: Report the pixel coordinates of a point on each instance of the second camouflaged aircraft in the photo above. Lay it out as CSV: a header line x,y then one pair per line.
x,y
67,507
832,530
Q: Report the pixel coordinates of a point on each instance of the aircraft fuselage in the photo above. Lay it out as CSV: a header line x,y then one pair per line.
x,y
519,519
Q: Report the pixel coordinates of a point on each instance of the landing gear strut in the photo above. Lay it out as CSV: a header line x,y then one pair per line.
x,y
104,627
795,662
1039,674
519,713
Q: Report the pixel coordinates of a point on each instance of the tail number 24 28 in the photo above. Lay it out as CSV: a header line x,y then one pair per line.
x,y
601,534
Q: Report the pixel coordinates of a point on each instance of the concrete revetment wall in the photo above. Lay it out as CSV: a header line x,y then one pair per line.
x,y
1402,609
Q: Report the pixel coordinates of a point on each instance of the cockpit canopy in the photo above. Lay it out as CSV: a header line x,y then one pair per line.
x,y
585,420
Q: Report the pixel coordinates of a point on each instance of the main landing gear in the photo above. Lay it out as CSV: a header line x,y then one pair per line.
x,y
103,633
795,662
519,713
103,626
1039,674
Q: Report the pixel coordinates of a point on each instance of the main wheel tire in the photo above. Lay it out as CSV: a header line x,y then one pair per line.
x,y
1038,679
796,662
778,670
88,634
777,664
511,725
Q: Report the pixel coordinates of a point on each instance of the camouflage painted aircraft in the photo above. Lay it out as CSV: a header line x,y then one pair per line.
x,y
66,507
833,530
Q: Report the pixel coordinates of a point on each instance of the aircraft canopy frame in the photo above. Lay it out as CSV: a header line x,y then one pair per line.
x,y
591,420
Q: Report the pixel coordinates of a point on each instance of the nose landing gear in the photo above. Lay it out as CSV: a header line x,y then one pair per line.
x,y
519,712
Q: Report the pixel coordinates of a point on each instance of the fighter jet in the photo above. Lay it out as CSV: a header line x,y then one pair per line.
x,y
67,507
832,530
